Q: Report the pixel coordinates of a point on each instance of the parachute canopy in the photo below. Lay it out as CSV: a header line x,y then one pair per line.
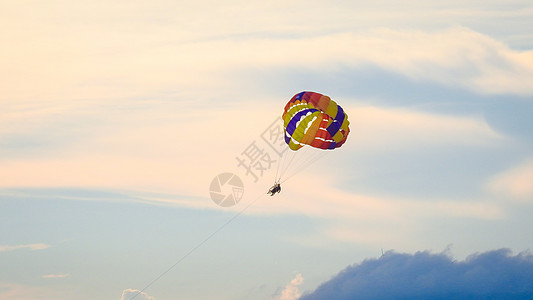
x,y
314,119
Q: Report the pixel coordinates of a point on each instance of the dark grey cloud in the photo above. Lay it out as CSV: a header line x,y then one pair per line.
x,y
491,275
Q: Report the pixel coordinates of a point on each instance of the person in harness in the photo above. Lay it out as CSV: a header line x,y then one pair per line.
x,y
276,188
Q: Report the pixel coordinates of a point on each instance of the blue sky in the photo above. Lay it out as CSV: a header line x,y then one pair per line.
x,y
117,116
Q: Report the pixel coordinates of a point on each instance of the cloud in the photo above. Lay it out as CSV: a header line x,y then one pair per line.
x,y
291,290
516,183
129,294
33,247
13,291
153,143
456,57
17,291
151,157
120,64
400,128
53,276
494,274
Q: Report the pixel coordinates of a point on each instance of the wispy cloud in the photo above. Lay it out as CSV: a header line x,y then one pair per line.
x,y
367,219
33,247
400,128
53,276
516,184
13,291
457,57
126,155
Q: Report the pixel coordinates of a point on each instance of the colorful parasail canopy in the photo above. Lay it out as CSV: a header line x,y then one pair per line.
x,y
314,119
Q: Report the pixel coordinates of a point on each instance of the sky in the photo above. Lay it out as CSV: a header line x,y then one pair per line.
x,y
117,117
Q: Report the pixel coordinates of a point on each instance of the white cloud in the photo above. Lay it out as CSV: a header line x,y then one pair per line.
x,y
157,147
120,63
33,247
389,130
359,218
164,147
384,128
128,294
516,184
457,57
53,276
151,158
291,290
12,291
17,291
